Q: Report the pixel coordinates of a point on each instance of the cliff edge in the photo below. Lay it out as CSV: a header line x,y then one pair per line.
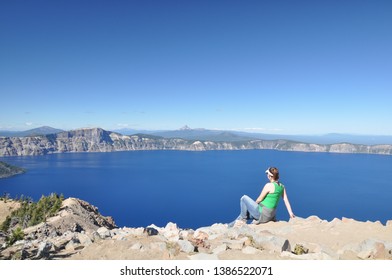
x,y
79,232
99,140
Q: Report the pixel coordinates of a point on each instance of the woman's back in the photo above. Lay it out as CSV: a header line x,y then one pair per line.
x,y
271,200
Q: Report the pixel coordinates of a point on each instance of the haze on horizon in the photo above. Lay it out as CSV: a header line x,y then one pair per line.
x,y
308,67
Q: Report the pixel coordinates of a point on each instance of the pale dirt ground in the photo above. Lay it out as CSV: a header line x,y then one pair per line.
x,y
7,208
310,232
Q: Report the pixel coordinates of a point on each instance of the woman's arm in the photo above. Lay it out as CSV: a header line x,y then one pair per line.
x,y
266,190
287,203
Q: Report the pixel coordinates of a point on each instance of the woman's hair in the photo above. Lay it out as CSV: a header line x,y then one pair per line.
x,y
275,173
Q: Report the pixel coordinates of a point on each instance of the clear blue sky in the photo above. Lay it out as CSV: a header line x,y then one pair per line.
x,y
288,67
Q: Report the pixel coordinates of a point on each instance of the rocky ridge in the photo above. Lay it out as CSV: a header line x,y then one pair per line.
x,y
99,140
79,232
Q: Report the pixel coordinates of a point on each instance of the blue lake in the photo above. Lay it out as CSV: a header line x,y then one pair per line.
x,y
195,189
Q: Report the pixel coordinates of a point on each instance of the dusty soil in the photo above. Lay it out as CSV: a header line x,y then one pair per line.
x,y
6,208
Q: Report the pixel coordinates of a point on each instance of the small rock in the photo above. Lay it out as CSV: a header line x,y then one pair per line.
x,y
171,236
205,230
272,243
313,219
233,233
173,248
43,250
156,227
84,239
218,229
249,250
19,243
118,234
200,235
220,249
74,245
136,246
159,246
171,227
150,231
96,236
186,246
103,232
76,228
171,232
184,234
347,220
132,231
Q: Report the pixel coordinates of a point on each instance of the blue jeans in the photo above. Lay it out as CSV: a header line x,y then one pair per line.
x,y
249,209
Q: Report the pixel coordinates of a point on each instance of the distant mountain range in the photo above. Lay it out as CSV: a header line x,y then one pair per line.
x,y
43,130
230,135
202,134
99,140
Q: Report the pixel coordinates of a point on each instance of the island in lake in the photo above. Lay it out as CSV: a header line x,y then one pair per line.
x,y
7,170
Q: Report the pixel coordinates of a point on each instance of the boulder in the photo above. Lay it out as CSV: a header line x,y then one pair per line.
x,y
74,245
103,233
84,239
219,249
272,243
43,250
186,246
76,228
171,232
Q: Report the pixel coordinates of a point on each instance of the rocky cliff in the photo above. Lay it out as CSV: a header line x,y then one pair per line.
x,y
78,231
99,140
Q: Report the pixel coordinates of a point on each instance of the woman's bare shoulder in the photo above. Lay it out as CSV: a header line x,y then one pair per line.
x,y
269,186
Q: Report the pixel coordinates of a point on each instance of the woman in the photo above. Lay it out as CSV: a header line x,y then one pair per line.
x,y
263,209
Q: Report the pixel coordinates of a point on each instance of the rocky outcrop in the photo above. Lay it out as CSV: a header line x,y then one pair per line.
x,y
99,140
78,231
74,226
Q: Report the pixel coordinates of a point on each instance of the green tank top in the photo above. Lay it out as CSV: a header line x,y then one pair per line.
x,y
271,200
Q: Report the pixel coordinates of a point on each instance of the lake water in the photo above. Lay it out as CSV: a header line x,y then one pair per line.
x,y
195,189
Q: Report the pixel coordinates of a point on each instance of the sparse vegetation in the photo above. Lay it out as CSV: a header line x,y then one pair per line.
x,y
300,250
16,235
32,213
